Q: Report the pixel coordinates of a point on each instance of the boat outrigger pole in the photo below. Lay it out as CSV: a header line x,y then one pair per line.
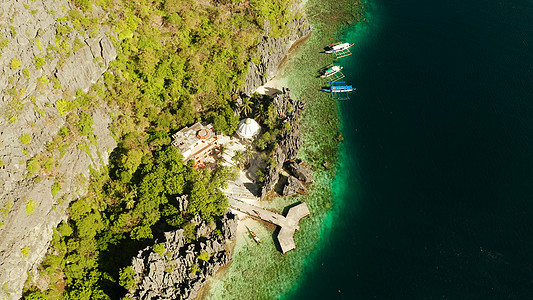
x,y
339,90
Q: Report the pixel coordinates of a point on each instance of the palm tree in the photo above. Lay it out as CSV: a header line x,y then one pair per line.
x,y
248,154
238,158
261,114
246,106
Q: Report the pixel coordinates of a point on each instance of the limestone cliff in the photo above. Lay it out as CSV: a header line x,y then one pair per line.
x,y
271,52
44,63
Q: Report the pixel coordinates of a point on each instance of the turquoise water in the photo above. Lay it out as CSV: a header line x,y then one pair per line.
x,y
435,192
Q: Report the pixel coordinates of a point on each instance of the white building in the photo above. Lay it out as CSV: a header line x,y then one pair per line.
x,y
248,129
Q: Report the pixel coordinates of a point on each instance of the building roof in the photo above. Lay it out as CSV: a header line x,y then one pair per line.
x,y
248,128
193,141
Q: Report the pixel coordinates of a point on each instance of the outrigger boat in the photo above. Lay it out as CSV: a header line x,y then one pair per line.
x,y
331,71
339,90
256,238
339,49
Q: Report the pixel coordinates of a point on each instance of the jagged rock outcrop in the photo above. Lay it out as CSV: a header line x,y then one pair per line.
x,y
300,171
272,172
289,110
180,269
39,66
293,186
183,202
272,51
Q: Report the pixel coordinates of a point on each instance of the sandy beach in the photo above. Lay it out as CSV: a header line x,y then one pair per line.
x,y
273,86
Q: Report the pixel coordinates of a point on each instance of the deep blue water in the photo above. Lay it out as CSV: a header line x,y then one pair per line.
x,y
438,197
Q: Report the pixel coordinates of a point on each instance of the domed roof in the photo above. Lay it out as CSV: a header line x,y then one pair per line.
x,y
248,128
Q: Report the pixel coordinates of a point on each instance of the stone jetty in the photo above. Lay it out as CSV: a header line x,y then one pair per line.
x,y
288,223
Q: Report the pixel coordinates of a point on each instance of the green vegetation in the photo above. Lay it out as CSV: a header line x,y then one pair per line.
x,y
179,62
3,43
127,278
204,256
85,125
194,269
37,43
35,295
26,73
30,206
15,64
12,31
25,252
42,81
118,215
33,166
56,187
7,207
25,139
159,248
39,62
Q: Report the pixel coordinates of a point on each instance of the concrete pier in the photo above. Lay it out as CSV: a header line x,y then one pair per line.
x,y
288,224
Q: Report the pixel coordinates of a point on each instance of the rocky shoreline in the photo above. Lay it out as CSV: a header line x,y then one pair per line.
x,y
272,52
178,269
152,279
289,111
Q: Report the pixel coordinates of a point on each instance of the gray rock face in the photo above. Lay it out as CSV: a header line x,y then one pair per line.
x,y
293,186
272,173
183,202
300,171
179,272
272,51
29,120
290,141
228,225
290,111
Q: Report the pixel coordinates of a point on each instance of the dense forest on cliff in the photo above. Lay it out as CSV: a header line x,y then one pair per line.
x,y
178,62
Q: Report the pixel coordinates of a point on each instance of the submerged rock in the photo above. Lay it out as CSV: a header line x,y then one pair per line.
x,y
300,171
293,186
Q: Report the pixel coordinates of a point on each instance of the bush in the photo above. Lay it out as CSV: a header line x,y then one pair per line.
x,y
25,139
39,62
33,166
35,295
30,206
159,248
204,256
15,64
174,18
85,125
84,5
127,278
194,269
25,252
56,188
3,43
42,81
